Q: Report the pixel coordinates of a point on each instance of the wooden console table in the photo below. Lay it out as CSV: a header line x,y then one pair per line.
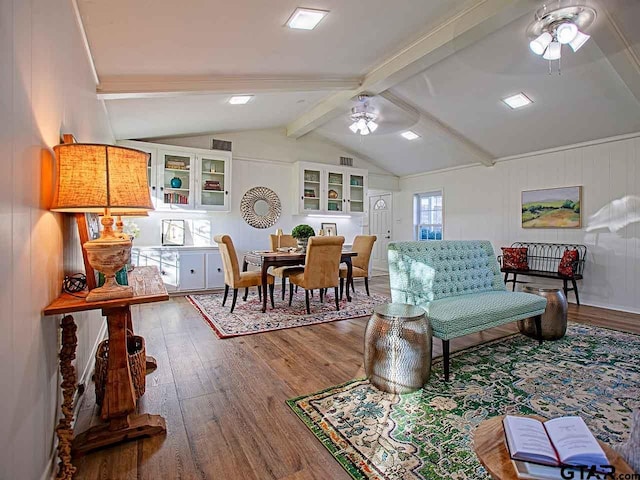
x,y
119,404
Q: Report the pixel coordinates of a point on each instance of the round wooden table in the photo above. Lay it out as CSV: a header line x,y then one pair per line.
x,y
490,446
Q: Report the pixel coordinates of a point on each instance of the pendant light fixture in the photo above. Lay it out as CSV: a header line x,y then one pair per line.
x,y
554,28
363,117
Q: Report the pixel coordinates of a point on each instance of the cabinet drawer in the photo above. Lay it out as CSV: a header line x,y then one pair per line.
x,y
192,271
215,274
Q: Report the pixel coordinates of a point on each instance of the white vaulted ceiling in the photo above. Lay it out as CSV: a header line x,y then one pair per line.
x,y
168,68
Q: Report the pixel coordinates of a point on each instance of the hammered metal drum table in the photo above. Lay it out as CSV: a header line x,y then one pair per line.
x,y
397,348
554,318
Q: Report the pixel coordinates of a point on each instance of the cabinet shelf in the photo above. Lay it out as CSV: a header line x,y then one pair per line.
x,y
177,189
312,181
213,173
185,170
212,191
335,184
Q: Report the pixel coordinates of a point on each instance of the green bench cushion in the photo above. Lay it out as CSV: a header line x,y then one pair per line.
x,y
464,314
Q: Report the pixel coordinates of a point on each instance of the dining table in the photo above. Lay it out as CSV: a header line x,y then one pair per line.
x,y
267,259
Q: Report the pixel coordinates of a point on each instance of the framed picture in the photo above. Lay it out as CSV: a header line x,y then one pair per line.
x,y
330,229
173,232
552,208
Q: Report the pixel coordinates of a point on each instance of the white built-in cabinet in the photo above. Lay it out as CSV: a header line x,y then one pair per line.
x,y
328,190
183,269
182,178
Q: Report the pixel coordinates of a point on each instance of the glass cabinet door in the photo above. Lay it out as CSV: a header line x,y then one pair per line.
x,y
356,193
212,186
335,195
176,179
311,194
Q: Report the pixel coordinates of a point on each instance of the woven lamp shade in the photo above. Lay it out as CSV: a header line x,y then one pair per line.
x,y
92,178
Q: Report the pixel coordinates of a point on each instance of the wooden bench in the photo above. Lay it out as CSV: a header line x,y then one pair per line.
x,y
543,260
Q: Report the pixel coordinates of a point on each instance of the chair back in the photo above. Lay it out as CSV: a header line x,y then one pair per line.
x,y
322,263
420,272
285,241
363,245
229,259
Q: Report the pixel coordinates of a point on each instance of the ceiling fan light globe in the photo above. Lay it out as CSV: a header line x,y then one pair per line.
x,y
540,44
364,131
566,32
553,52
579,41
353,127
372,126
362,124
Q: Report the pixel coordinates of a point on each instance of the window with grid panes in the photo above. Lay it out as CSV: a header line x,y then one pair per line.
x,y
428,216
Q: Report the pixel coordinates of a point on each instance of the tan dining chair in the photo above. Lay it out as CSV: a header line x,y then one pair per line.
x,y
233,277
283,272
363,246
321,267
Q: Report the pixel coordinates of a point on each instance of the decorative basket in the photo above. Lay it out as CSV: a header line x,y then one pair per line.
x,y
137,364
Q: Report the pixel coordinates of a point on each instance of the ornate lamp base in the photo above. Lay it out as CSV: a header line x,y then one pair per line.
x,y
109,256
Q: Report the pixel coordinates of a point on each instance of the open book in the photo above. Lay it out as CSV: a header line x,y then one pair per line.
x,y
561,441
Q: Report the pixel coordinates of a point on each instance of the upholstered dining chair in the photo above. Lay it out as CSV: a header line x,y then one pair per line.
x,y
283,272
233,277
322,264
362,245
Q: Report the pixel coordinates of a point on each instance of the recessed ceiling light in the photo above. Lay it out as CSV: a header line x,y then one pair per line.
x,y
306,18
517,101
409,135
240,99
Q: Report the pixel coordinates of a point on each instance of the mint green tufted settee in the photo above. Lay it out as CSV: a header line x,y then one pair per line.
x,y
459,284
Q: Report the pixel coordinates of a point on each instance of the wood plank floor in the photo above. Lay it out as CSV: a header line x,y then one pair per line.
x,y
223,400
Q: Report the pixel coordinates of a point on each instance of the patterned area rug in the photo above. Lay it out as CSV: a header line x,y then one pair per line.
x,y
247,318
428,434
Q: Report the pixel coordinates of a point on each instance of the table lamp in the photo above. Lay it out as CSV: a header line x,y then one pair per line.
x,y
94,178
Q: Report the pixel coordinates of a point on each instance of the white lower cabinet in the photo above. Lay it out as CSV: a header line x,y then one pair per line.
x,y
183,269
192,271
215,274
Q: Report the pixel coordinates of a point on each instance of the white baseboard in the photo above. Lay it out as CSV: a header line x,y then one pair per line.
x,y
85,378
51,469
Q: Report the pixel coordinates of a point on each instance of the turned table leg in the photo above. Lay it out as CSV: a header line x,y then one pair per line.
x,y
64,430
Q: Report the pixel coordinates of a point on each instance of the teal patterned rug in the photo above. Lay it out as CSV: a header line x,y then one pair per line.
x,y
592,372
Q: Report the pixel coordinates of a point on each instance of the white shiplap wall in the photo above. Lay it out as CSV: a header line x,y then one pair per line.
x,y
484,203
46,87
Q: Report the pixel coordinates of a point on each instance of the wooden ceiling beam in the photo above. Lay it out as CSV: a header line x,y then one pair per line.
x,y
458,31
126,87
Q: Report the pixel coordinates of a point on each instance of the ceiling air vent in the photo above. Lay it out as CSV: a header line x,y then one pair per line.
x,y
221,145
346,161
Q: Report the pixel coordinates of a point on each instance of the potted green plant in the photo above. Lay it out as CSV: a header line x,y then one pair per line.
x,y
302,233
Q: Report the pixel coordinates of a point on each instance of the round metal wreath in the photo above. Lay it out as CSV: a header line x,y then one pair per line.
x,y
247,207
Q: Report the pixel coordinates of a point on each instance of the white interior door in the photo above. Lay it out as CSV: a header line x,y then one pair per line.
x,y
380,225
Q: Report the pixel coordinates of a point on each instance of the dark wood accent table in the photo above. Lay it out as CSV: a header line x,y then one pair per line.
x,y
490,446
119,404
265,260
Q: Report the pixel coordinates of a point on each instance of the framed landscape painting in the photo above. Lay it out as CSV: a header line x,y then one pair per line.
x,y
552,208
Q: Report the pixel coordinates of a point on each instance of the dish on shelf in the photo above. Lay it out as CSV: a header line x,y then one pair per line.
x,y
333,194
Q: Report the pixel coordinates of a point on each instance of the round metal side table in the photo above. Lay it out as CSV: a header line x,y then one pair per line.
x,y
397,348
554,318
